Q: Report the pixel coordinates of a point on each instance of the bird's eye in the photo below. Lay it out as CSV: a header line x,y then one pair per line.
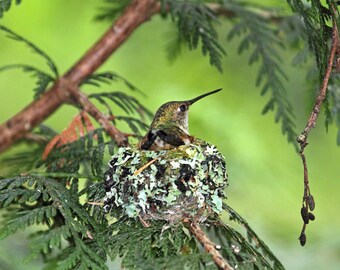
x,y
183,108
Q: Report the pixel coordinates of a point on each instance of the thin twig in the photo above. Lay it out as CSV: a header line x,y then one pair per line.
x,y
96,203
36,112
31,137
145,166
209,246
226,12
307,200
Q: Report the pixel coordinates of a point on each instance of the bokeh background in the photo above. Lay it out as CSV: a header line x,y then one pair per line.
x,y
266,176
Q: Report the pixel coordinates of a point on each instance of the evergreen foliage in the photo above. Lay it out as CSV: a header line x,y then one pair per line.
x,y
111,10
257,33
5,5
315,17
43,79
62,195
318,20
195,26
34,48
80,237
198,23
62,192
97,79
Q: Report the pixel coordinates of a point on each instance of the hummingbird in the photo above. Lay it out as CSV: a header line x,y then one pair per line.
x,y
169,128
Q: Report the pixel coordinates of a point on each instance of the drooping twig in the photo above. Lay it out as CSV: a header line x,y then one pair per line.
x,y
37,111
308,200
209,246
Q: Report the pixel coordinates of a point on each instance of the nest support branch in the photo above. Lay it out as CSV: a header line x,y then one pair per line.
x,y
209,246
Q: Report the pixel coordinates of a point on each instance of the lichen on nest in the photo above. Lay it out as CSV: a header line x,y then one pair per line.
x,y
167,185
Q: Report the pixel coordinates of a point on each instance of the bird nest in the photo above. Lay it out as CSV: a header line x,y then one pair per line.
x,y
168,185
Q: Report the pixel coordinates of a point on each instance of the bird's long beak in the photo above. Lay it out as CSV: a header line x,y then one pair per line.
x,y
191,101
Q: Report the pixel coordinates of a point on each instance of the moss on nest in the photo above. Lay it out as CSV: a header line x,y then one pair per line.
x,y
169,184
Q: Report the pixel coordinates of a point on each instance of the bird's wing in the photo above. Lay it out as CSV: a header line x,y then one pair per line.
x,y
151,137
166,134
169,136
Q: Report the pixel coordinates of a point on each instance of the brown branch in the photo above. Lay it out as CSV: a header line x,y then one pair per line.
x,y
36,112
308,200
311,123
103,120
209,246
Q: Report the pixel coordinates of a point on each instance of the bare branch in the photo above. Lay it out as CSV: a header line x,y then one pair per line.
x,y
40,109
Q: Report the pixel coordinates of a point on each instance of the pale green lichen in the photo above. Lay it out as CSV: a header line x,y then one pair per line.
x,y
177,183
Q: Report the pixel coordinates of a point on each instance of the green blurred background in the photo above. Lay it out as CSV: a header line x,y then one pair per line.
x,y
266,176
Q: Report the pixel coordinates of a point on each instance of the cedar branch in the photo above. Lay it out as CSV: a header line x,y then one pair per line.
x,y
209,246
36,112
